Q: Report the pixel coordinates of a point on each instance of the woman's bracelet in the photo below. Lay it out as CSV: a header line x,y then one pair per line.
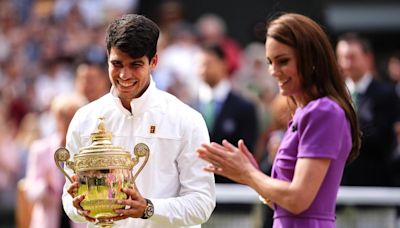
x,y
264,200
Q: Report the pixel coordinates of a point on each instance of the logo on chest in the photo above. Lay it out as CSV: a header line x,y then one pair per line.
x,y
152,129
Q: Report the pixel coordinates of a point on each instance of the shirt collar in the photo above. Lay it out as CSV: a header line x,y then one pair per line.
x,y
361,86
137,104
221,90
218,93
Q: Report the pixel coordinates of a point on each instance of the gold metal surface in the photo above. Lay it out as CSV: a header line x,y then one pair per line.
x,y
102,170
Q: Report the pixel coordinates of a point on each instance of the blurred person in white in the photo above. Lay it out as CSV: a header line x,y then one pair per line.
x,y
91,81
212,29
43,179
56,80
176,71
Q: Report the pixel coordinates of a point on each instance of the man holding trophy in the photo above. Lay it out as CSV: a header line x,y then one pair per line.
x,y
169,189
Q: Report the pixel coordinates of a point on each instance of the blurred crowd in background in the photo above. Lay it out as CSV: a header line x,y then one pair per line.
x,y
50,48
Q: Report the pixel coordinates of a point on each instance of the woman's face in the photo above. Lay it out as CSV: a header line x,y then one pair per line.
x,y
283,67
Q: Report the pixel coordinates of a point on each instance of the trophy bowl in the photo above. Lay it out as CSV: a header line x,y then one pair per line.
x,y
102,170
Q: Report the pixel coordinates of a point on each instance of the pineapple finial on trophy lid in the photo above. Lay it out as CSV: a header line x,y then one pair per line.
x,y
101,135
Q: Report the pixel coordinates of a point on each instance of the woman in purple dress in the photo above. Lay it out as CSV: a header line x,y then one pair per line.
x,y
322,136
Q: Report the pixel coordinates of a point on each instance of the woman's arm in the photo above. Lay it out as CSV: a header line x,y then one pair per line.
x,y
295,196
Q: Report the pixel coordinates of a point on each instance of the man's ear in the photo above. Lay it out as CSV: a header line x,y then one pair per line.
x,y
154,61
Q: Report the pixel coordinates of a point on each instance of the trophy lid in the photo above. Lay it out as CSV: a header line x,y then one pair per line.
x,y
101,141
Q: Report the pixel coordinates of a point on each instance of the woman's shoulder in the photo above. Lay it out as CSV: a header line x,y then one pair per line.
x,y
323,104
323,108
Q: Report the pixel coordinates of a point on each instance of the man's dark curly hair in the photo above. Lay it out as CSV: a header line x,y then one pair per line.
x,y
133,34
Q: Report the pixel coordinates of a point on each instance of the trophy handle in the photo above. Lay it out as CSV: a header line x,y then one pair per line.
x,y
62,155
140,150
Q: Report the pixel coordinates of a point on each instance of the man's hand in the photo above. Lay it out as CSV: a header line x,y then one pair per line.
x,y
135,204
76,200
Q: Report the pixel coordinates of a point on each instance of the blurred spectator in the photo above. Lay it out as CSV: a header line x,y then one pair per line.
x,y
269,141
396,159
28,132
376,104
92,81
14,86
94,12
96,52
56,80
176,70
393,70
212,29
169,15
10,164
254,82
227,114
44,182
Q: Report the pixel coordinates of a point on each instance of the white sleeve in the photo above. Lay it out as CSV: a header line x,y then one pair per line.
x,y
73,143
196,199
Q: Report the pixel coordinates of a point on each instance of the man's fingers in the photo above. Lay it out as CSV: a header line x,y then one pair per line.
x,y
131,191
82,212
86,215
73,189
134,210
77,202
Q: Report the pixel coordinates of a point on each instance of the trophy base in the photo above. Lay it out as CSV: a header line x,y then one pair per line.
x,y
104,223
